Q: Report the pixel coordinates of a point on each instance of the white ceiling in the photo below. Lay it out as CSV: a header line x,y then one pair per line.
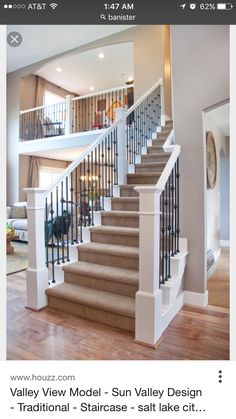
x,y
44,41
220,116
86,69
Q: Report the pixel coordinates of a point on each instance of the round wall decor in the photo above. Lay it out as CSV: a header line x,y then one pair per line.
x,y
211,160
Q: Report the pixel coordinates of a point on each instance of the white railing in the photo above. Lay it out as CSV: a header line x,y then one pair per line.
x,y
75,114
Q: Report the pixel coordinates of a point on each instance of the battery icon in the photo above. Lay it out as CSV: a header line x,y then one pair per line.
x,y
225,6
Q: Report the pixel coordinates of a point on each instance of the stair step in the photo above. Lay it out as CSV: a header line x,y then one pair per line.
x,y
155,149
161,136
155,157
149,167
120,218
166,130
106,278
92,304
128,191
110,255
125,204
124,236
143,178
158,142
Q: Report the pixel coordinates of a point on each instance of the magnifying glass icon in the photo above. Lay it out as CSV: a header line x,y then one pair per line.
x,y
102,16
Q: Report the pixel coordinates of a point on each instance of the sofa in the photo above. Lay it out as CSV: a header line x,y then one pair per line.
x,y
17,219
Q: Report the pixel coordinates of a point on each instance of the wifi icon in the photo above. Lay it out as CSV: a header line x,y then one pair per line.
x,y
53,5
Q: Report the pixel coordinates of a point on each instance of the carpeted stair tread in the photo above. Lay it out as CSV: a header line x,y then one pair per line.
x,y
128,214
144,175
110,249
152,164
163,154
121,275
116,230
125,198
156,147
90,297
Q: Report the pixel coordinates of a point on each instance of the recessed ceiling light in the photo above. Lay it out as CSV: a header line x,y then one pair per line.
x,y
101,55
92,88
59,69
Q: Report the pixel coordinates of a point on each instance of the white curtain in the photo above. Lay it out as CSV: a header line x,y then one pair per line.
x,y
40,89
33,173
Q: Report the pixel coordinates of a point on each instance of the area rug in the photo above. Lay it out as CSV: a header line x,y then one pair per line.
x,y
18,261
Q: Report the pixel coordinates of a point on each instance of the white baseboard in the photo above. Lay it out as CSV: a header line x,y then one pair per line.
x,y
225,243
196,298
217,253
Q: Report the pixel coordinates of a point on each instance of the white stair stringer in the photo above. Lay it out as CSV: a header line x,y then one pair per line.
x,y
172,290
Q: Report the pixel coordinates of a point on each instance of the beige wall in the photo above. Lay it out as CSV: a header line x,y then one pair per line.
x,y
28,92
167,71
200,79
148,68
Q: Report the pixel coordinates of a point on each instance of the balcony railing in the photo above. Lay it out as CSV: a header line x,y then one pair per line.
x,y
75,114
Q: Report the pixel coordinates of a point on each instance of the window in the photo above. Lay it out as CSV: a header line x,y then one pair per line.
x,y
51,98
48,175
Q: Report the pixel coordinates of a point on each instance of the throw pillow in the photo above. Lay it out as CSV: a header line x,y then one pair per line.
x,y
18,212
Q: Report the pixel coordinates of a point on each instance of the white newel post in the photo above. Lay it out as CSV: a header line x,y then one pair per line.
x,y
68,122
149,297
37,272
121,138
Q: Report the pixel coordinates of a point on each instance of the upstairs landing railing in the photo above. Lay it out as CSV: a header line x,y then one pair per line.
x,y
75,114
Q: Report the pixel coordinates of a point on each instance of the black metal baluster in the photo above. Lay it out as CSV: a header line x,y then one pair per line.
x,y
166,232
99,176
162,239
84,196
81,203
105,167
57,222
89,189
175,208
72,199
76,205
173,213
177,203
112,162
67,220
46,232
96,178
92,188
169,224
62,224
109,165
103,184
116,157
112,103
52,237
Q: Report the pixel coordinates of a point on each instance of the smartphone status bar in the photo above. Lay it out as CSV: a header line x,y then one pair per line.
x,y
102,12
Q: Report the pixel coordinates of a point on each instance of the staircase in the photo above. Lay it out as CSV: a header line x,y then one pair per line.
x,y
110,225
102,284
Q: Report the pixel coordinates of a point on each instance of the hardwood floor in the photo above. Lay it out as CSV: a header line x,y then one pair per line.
x,y
218,283
194,334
